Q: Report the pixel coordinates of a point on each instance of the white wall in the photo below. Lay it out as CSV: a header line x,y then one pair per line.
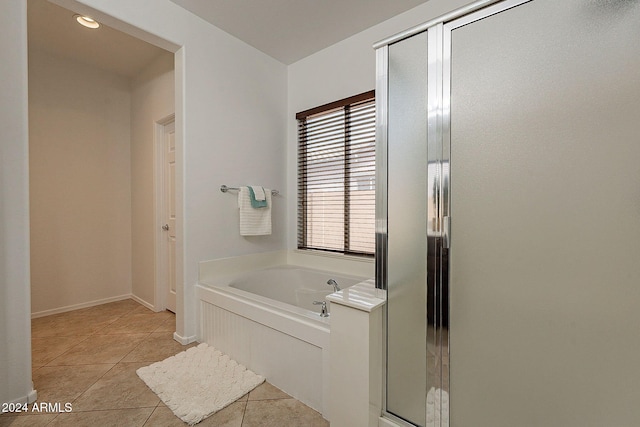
x,y
15,323
235,125
152,99
347,68
79,155
230,129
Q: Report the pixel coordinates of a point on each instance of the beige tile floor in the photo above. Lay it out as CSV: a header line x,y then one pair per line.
x,y
89,357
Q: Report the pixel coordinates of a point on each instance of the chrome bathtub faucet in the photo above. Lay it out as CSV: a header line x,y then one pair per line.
x,y
333,283
323,309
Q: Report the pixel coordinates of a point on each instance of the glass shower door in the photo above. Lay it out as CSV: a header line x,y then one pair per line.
x,y
545,214
406,308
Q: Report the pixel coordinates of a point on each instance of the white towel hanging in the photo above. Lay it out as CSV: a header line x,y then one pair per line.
x,y
254,222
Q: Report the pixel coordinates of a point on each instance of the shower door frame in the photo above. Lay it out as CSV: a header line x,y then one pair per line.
x,y
438,142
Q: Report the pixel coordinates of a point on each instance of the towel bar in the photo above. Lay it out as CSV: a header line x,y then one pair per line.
x,y
224,189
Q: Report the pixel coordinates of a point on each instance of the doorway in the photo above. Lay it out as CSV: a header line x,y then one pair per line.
x,y
92,183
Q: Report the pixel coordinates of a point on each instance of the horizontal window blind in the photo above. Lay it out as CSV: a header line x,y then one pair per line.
x,y
336,176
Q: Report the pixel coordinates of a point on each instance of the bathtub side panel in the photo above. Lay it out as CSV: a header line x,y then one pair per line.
x,y
291,364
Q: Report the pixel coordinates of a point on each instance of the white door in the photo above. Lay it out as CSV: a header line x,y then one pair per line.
x,y
169,212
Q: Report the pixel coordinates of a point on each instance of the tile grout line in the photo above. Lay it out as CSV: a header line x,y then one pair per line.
x,y
99,378
149,417
114,365
94,333
134,347
60,355
93,383
244,411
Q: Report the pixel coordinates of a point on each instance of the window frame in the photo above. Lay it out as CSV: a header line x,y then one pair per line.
x,y
302,219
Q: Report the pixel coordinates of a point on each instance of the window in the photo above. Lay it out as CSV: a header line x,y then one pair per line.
x,y
336,176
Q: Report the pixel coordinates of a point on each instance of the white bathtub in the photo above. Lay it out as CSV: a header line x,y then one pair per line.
x,y
266,320
293,285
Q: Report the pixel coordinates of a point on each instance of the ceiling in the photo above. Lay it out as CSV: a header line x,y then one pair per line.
x,y
289,30
52,28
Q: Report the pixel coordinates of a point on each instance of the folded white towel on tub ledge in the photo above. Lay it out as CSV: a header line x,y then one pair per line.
x,y
254,222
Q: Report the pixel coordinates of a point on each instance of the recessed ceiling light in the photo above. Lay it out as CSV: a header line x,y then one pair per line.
x,y
86,21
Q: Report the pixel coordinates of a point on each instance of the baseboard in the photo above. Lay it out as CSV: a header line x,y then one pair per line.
x,y
184,340
79,306
386,422
143,302
29,398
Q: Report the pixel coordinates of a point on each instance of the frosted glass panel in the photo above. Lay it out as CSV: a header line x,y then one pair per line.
x,y
545,214
407,242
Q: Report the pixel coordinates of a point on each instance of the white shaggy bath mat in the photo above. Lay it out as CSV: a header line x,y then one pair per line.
x,y
198,382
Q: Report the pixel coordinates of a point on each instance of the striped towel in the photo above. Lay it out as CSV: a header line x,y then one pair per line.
x,y
254,222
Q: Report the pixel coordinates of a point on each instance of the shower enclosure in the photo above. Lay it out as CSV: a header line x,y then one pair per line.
x,y
508,215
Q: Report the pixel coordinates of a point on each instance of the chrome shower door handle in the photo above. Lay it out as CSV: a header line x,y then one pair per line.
x,y
446,232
